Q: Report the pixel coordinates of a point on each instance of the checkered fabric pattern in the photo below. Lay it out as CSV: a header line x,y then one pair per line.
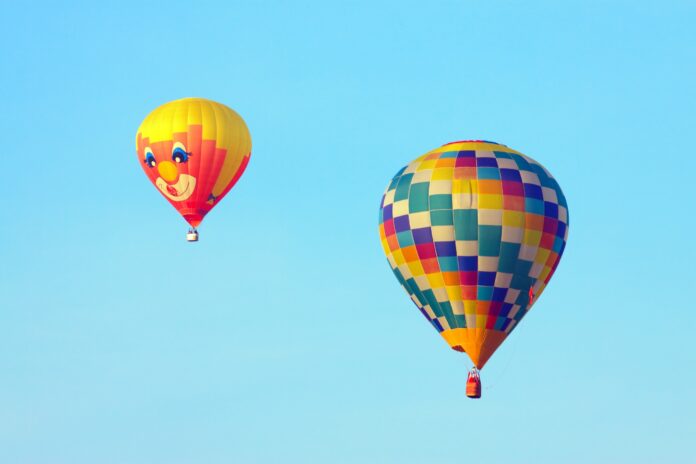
x,y
474,231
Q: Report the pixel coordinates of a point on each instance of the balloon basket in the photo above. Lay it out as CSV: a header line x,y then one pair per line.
x,y
473,384
192,236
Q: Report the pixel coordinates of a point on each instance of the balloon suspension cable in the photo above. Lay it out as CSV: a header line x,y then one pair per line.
x,y
513,344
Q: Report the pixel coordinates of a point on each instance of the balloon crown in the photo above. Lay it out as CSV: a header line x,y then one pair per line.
x,y
474,141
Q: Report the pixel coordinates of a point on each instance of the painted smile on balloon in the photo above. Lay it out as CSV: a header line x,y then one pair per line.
x,y
180,191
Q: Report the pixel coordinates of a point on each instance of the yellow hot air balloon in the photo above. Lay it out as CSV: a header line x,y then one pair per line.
x,y
193,150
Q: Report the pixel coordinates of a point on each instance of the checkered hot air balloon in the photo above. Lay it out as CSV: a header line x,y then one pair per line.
x,y
193,150
474,231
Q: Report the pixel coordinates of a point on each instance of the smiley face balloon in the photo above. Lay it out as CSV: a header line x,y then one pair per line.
x,y
193,151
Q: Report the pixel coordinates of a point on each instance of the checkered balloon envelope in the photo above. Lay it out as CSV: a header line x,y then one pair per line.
x,y
474,231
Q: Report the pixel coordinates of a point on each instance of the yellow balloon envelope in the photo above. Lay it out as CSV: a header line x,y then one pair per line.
x,y
193,151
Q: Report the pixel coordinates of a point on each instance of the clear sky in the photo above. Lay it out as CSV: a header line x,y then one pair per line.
x,y
283,336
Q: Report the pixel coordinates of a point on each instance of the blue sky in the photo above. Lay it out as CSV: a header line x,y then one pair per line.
x,y
283,336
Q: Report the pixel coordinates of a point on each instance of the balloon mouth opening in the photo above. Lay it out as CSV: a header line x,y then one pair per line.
x,y
193,218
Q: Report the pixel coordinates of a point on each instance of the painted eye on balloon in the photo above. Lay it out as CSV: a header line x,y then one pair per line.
x,y
179,155
150,158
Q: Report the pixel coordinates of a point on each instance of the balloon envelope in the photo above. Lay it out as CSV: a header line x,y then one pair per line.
x,y
193,151
473,231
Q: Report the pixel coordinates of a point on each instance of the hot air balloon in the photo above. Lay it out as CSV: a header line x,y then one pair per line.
x,y
474,231
193,151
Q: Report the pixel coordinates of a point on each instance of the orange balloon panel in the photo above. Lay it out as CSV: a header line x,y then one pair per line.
x,y
193,150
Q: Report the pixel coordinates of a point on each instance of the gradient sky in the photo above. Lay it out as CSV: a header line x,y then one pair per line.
x,y
283,336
